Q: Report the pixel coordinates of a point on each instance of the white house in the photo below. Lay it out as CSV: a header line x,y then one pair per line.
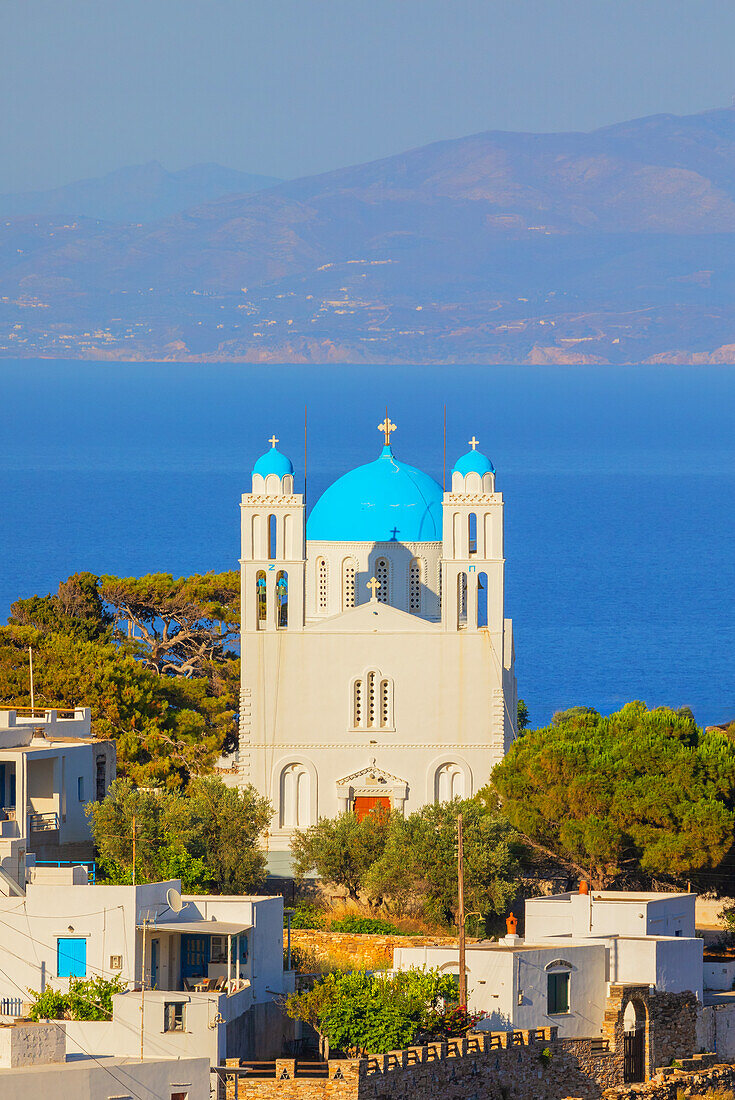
x,y
649,937
209,970
522,986
378,664
50,768
34,1062
575,946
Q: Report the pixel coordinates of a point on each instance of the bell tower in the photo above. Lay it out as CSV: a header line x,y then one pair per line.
x,y
473,566
272,559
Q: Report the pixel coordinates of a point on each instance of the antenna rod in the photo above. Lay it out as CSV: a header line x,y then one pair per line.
x,y
460,913
30,671
444,472
305,458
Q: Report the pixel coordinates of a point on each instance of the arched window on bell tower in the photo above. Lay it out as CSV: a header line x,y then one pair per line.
x,y
261,596
282,600
472,532
382,577
321,584
482,599
414,587
462,599
348,583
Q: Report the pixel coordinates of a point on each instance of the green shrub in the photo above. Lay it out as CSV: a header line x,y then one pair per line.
x,y
89,999
360,1012
306,916
365,926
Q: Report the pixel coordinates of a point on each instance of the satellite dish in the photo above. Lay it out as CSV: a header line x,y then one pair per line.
x,y
173,899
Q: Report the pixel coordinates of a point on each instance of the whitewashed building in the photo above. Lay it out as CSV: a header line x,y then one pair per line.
x,y
209,970
51,766
34,1062
575,946
377,661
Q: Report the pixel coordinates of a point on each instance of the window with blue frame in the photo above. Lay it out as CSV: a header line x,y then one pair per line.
x,y
71,957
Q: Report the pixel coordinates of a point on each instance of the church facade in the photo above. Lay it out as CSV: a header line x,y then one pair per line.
x,y
377,662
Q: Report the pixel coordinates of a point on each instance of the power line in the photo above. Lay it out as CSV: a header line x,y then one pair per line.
x,y
94,1058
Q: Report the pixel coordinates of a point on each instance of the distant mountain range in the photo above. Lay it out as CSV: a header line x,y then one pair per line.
x,y
143,193
610,246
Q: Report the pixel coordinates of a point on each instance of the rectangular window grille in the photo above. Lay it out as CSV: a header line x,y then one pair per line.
x,y
381,576
414,587
115,962
173,1015
558,993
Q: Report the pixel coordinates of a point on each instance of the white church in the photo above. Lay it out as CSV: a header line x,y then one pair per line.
x,y
377,663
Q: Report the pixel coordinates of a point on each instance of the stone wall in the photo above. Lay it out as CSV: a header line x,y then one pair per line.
x,y
484,1066
319,941
676,1084
508,1065
668,1020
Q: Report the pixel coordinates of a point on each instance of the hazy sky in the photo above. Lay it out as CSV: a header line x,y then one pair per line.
x,y
292,87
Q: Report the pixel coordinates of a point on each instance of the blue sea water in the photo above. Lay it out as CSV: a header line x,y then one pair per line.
x,y
619,486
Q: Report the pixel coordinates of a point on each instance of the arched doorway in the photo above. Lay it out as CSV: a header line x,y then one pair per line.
x,y
634,1042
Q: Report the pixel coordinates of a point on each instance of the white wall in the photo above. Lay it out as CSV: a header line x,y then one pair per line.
x,y
92,1080
202,1037
608,913
105,916
510,985
719,974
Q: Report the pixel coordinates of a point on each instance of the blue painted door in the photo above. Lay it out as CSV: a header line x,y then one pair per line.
x,y
71,957
194,956
155,944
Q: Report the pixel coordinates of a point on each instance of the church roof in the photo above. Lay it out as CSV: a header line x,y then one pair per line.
x,y
474,462
273,462
383,501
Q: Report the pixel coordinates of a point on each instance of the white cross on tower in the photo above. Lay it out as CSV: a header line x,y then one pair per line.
x,y
373,584
473,442
273,440
387,427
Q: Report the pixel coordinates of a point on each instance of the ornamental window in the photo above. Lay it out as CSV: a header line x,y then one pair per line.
x,y
372,702
414,587
381,576
348,583
321,584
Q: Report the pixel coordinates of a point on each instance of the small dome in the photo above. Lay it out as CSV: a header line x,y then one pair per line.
x,y
383,501
273,462
474,462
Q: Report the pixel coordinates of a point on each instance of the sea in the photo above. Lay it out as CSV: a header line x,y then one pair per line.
x,y
619,486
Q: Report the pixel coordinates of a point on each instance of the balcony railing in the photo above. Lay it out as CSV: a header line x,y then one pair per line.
x,y
43,823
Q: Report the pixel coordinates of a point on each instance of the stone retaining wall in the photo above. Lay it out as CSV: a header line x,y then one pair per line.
x,y
316,940
484,1066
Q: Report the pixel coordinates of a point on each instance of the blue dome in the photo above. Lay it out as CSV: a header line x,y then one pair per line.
x,y
273,462
383,501
474,462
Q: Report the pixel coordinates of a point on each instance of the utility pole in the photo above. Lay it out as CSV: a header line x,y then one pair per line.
x,y
30,672
142,987
133,849
460,913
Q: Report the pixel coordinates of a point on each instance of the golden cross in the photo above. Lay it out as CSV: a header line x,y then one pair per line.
x,y
387,427
273,440
373,585
473,442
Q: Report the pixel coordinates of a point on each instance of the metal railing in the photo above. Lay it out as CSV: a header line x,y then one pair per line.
x,y
43,823
11,1006
89,864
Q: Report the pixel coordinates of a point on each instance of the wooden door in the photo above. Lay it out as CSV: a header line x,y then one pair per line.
x,y
364,804
634,1045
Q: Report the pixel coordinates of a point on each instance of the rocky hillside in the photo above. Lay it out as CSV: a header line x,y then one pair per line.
x,y
612,246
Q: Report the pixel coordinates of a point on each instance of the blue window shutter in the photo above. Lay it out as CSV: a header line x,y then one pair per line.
x,y
71,957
